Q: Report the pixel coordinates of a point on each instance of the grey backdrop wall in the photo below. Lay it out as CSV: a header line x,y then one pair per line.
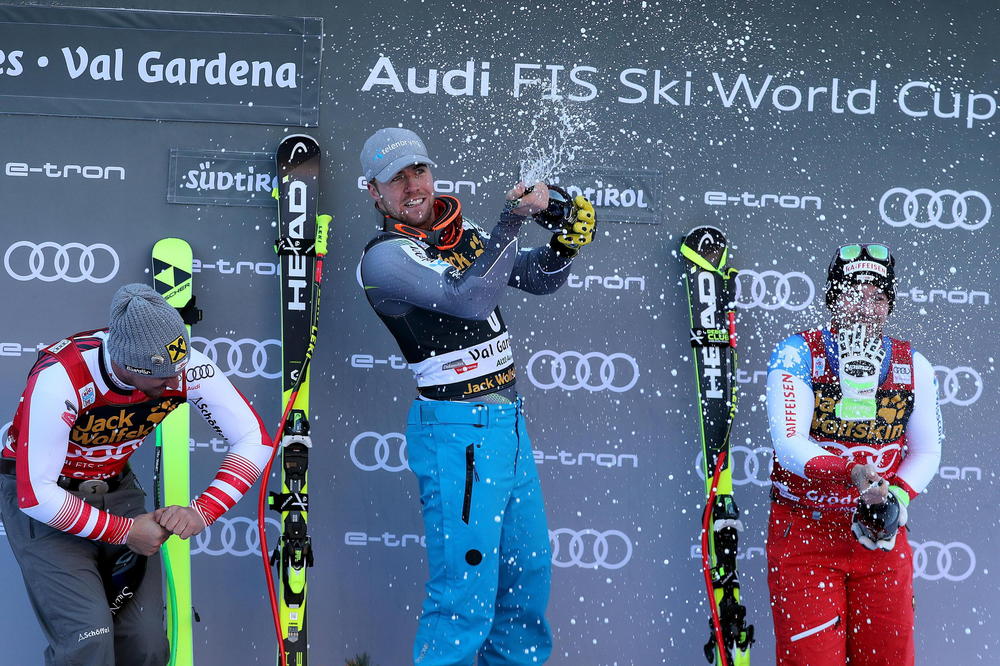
x,y
795,129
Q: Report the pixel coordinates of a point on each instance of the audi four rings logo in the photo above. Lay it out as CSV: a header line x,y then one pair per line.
x,y
590,549
372,451
70,262
747,465
203,371
882,457
572,370
235,536
959,386
924,208
245,358
933,560
772,290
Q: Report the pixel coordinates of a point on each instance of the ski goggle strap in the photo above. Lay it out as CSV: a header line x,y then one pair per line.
x,y
876,251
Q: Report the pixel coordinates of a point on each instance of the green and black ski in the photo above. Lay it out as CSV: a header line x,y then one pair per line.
x,y
172,263
301,246
710,283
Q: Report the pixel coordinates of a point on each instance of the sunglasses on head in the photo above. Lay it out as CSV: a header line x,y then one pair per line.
x,y
876,251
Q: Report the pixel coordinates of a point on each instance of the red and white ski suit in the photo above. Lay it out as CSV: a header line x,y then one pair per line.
x,y
834,602
77,420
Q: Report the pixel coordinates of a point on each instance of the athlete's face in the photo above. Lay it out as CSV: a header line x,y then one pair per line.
x,y
862,304
407,197
151,386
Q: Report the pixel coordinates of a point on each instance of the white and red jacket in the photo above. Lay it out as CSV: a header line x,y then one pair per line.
x,y
76,419
815,451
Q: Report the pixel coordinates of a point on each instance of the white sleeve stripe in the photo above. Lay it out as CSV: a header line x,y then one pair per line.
x,y
228,489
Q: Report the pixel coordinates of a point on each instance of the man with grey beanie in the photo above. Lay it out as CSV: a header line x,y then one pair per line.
x,y
73,510
434,278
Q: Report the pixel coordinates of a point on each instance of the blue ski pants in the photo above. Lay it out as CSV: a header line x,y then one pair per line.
x,y
487,541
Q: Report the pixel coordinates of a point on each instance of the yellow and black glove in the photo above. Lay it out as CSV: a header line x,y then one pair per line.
x,y
577,228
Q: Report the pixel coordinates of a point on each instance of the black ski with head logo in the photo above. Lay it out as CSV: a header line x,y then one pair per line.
x,y
301,245
710,282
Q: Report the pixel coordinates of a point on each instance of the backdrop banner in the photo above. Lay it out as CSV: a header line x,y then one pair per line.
x,y
795,128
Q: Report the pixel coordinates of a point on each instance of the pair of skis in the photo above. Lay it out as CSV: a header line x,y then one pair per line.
x,y
710,287
301,246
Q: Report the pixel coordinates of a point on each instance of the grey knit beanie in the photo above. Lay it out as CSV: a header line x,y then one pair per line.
x,y
146,335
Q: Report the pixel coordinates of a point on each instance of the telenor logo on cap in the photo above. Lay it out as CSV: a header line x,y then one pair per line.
x,y
177,349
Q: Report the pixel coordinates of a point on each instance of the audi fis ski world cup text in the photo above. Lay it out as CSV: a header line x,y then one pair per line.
x,y
657,87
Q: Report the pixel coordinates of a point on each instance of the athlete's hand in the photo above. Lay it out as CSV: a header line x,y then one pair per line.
x,y
532,202
860,362
183,521
146,535
871,486
578,230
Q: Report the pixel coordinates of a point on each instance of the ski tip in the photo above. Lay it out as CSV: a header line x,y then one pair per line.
x,y
296,137
706,243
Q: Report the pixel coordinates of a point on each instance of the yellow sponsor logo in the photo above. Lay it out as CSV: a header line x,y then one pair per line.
x,y
494,382
177,349
125,425
894,410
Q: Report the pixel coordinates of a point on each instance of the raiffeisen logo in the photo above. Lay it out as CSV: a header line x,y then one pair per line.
x,y
205,179
49,170
763,200
440,186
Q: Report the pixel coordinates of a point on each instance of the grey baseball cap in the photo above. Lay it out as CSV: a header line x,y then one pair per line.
x,y
146,335
389,151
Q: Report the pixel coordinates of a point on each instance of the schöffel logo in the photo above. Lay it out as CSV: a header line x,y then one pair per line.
x,y
229,178
771,290
960,386
947,209
74,171
236,536
246,358
70,262
593,371
589,548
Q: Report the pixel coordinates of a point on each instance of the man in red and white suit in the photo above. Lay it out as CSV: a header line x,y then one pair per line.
x,y
72,509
